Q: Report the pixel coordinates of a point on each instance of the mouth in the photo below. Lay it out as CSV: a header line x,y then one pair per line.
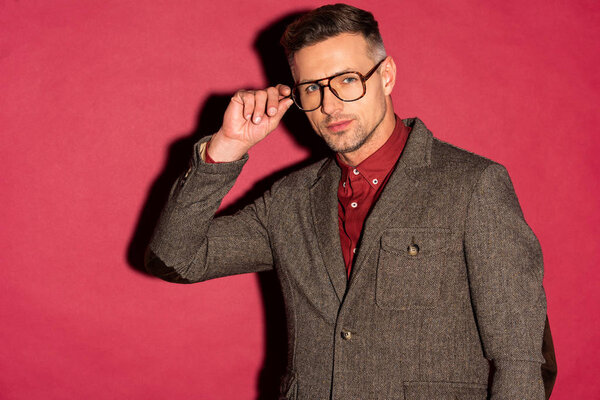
x,y
339,125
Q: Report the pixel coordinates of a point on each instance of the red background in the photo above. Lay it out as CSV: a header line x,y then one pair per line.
x,y
100,102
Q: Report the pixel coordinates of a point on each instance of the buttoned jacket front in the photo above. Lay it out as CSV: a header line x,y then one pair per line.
x,y
448,274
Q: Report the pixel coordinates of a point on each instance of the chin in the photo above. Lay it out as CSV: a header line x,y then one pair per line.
x,y
345,141
343,146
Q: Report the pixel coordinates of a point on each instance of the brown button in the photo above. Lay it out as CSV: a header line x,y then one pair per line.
x,y
413,250
346,335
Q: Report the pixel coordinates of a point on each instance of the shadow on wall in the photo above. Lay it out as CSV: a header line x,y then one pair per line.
x,y
209,120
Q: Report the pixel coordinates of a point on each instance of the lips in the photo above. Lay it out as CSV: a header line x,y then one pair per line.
x,y
339,126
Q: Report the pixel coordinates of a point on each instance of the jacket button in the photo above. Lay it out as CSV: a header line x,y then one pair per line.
x,y
413,250
346,335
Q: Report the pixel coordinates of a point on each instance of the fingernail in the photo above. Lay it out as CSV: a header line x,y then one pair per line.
x,y
256,120
272,111
247,116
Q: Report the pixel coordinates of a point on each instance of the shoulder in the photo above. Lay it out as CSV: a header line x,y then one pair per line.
x,y
301,176
451,158
444,154
451,166
427,150
470,172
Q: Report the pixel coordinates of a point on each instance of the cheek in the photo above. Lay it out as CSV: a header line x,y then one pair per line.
x,y
372,106
314,121
357,110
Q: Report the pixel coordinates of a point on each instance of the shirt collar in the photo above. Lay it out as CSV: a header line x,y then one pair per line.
x,y
377,166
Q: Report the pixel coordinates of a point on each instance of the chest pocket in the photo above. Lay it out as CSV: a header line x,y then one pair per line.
x,y
410,268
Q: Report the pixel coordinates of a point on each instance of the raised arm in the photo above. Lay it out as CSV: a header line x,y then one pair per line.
x,y
189,244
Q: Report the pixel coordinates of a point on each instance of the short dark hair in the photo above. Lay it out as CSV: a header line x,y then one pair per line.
x,y
332,20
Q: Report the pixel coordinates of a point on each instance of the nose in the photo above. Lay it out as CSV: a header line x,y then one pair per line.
x,y
330,104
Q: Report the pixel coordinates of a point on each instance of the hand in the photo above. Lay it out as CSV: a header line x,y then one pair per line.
x,y
249,118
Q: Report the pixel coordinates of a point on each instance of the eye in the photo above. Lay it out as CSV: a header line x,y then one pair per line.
x,y
349,79
313,87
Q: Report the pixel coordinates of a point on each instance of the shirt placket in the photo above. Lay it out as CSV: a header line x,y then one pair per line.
x,y
357,209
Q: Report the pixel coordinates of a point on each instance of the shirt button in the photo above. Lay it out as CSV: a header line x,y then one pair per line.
x,y
356,171
354,204
375,181
354,250
346,335
344,184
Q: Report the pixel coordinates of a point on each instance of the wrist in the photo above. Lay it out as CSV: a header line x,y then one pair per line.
x,y
223,149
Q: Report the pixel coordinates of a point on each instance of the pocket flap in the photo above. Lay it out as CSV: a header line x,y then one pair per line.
x,y
444,391
416,242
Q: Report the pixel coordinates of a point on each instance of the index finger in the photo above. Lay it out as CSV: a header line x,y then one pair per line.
x,y
284,91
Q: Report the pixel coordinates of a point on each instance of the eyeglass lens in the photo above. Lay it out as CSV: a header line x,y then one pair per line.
x,y
346,87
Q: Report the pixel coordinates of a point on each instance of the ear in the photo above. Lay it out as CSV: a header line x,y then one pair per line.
x,y
388,75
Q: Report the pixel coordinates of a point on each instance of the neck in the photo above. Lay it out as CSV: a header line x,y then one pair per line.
x,y
380,135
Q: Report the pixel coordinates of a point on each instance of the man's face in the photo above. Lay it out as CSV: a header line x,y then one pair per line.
x,y
346,127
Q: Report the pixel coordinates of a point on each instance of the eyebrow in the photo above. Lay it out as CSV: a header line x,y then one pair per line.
x,y
328,76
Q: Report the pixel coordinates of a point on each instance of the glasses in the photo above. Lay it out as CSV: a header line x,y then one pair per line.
x,y
346,86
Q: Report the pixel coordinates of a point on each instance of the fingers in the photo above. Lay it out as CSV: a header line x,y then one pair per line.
x,y
248,102
284,105
271,101
284,91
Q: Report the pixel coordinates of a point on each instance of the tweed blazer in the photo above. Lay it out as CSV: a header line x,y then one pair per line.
x,y
447,277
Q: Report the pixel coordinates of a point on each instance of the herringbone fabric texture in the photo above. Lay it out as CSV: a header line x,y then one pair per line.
x,y
407,325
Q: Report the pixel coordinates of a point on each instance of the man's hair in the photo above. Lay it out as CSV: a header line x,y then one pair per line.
x,y
329,21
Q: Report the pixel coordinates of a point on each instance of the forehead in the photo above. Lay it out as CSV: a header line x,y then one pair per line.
x,y
345,52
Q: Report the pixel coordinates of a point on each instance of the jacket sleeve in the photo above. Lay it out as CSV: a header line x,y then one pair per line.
x,y
190,245
505,269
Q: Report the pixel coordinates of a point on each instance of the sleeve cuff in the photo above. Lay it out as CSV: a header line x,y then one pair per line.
x,y
517,380
203,153
200,160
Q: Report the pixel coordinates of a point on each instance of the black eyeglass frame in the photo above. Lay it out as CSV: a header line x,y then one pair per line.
x,y
363,79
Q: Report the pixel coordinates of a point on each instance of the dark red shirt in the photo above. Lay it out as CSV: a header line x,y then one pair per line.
x,y
360,187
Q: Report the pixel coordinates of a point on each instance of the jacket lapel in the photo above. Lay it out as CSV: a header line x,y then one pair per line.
x,y
391,206
324,205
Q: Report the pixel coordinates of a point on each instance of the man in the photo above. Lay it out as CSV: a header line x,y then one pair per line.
x,y
405,262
